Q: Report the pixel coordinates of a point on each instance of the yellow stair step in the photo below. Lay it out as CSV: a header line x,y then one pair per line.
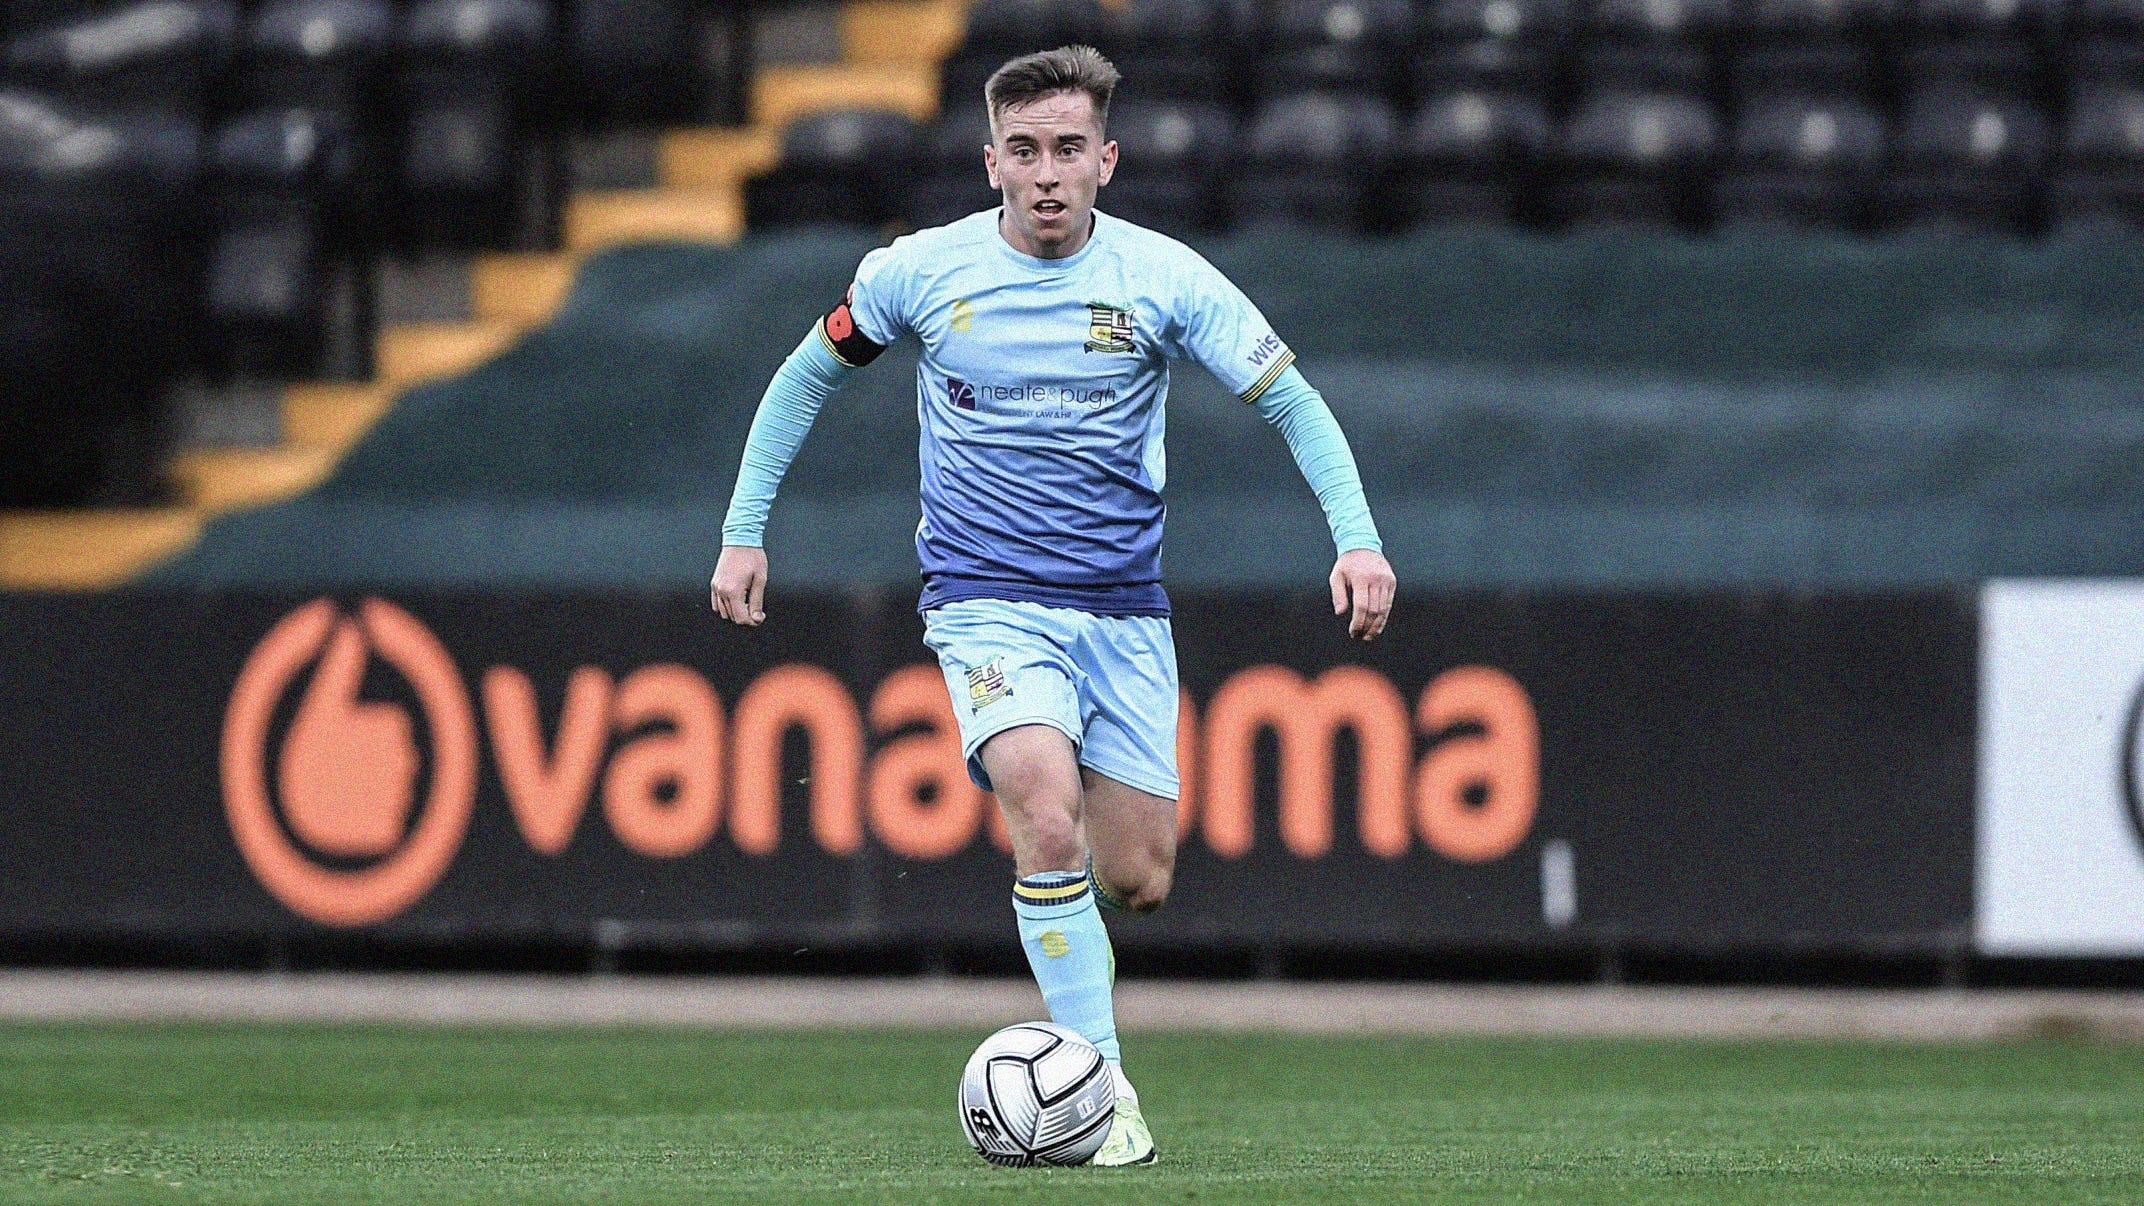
x,y
902,31
231,479
656,215
409,353
332,414
89,550
716,158
524,289
780,95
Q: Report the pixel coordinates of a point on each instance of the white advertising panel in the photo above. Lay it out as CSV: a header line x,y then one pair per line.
x,y
2061,826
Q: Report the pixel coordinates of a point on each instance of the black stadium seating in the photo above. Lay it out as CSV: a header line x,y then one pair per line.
x,y
1854,115
224,167
203,176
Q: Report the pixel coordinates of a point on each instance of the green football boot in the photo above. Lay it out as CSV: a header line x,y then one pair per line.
x,y
1128,1141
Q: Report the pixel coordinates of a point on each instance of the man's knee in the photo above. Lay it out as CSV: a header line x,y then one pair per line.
x,y
1142,886
1030,776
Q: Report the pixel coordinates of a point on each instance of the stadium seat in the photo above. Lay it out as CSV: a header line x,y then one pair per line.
x,y
490,30
1469,157
635,64
162,53
264,294
479,156
1170,155
1991,46
2100,183
1800,161
1167,50
1811,47
2106,17
1001,29
1965,159
1491,45
317,52
326,59
1635,158
1314,159
1650,45
847,166
459,168
99,286
950,182
1342,45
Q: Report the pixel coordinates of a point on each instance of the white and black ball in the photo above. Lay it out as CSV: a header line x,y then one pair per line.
x,y
1037,1093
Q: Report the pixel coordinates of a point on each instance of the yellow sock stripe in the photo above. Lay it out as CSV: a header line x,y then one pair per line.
x,y
1260,386
1048,895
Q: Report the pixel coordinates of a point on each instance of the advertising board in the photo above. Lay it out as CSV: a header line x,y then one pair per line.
x,y
1716,770
2061,824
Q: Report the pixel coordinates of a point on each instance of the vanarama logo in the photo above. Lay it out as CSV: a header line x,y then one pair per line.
x,y
349,844
350,809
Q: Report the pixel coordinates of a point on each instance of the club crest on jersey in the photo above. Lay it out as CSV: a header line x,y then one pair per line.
x,y
987,685
1109,329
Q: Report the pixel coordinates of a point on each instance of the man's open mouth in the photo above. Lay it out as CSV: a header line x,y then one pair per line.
x,y
1049,209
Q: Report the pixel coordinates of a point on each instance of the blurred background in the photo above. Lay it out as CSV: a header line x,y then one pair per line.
x,y
1747,391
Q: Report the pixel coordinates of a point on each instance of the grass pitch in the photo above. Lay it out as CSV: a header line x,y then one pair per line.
x,y
410,1115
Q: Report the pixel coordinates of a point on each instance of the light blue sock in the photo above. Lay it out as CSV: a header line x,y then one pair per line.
x,y
1068,947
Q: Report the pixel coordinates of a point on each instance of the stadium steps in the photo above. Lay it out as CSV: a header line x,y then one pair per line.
x,y
409,354
218,480
891,50
89,550
330,415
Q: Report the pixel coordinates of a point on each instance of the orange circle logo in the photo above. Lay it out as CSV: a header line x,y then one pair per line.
x,y
348,769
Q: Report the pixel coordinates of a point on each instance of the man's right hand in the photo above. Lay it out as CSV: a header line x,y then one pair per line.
x,y
739,590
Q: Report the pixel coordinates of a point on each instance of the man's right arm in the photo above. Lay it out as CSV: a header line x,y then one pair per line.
x,y
870,317
806,379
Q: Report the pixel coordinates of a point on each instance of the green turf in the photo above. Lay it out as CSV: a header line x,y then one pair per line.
x,y
268,1114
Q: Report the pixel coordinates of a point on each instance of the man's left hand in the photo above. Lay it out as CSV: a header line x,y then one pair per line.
x,y
1364,581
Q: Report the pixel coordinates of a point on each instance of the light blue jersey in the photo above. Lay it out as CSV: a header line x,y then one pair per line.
x,y
1041,394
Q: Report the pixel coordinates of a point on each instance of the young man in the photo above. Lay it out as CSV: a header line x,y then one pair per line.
x,y
1047,332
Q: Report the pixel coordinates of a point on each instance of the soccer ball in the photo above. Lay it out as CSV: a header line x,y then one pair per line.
x,y
1037,1093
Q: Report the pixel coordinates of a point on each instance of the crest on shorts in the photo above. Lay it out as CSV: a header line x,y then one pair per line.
x,y
987,685
1109,329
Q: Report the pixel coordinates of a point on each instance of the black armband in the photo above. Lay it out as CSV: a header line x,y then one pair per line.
x,y
838,331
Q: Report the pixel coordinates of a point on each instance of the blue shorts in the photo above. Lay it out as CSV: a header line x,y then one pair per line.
x,y
1106,682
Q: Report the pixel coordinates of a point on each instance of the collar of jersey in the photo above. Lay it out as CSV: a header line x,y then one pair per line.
x,y
1036,262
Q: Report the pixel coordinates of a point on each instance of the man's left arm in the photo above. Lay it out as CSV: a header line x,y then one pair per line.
x,y
1362,580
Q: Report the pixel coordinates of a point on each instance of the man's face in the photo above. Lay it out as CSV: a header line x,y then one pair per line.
x,y
1049,160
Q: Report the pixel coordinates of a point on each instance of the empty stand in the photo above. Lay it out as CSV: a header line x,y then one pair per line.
x,y
1799,160
1316,159
849,166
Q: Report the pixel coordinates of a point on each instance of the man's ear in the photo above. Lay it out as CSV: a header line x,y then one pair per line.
x,y
990,167
1109,161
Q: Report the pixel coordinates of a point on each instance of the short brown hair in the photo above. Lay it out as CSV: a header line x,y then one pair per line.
x,y
1065,69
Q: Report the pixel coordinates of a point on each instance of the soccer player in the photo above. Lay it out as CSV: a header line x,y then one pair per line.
x,y
1047,331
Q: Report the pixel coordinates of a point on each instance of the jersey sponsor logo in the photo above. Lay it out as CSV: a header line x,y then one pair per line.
x,y
1278,365
1265,349
1109,329
838,331
1056,401
987,685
